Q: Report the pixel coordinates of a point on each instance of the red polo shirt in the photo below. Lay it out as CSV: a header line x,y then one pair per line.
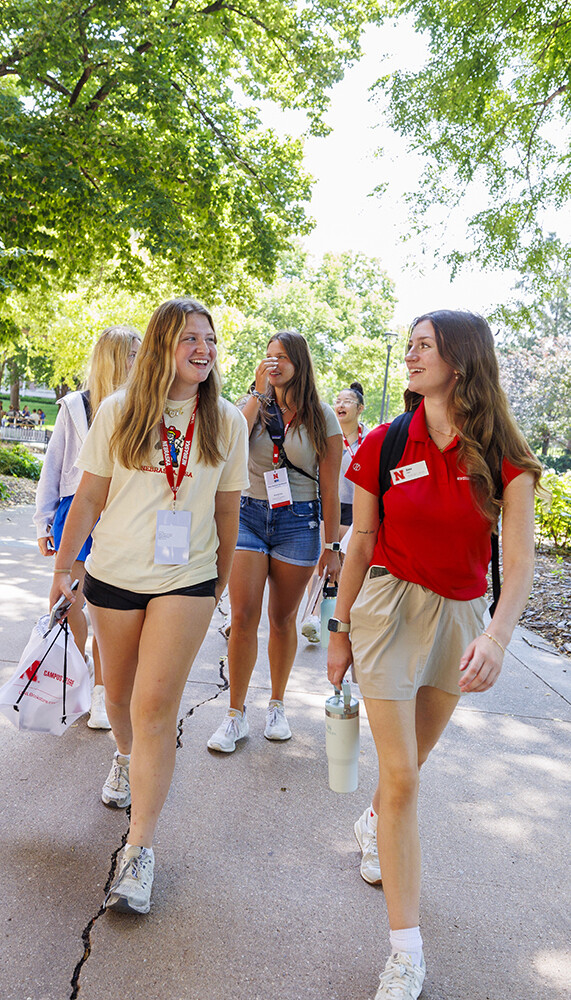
x,y
432,532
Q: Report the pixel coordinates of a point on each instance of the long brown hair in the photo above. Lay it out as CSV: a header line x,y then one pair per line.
x,y
109,363
301,390
489,432
148,385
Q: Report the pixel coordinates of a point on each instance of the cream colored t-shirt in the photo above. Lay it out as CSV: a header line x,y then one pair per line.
x,y
124,537
298,449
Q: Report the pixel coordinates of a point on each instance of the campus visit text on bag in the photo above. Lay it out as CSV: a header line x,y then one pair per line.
x,y
51,687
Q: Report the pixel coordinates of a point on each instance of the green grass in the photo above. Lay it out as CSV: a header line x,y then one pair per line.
x,y
35,403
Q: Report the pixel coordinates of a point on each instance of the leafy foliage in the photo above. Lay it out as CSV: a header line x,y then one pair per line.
x,y
554,520
343,306
18,461
134,134
535,362
492,106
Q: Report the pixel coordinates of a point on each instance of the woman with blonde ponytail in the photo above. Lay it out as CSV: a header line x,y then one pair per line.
x,y
410,608
163,467
109,365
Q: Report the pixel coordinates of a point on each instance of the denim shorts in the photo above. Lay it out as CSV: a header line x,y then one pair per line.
x,y
58,525
289,534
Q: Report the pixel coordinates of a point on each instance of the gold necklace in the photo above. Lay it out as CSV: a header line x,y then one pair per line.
x,y
438,431
175,411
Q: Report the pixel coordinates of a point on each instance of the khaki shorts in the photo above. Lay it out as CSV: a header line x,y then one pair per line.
x,y
405,637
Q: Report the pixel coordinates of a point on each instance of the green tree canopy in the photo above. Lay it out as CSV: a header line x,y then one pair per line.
x,y
535,365
491,107
343,306
133,132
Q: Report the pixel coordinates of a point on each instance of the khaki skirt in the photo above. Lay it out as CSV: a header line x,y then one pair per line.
x,y
405,636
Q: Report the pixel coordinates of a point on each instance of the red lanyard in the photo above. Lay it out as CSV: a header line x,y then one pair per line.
x,y
359,439
276,457
183,463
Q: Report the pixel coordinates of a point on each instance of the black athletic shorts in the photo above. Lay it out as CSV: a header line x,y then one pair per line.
x,y
104,595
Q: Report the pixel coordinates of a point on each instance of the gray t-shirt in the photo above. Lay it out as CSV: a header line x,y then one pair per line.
x,y
298,449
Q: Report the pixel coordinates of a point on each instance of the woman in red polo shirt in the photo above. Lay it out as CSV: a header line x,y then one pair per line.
x,y
412,592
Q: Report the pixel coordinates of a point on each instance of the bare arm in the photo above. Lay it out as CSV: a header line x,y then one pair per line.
x,y
329,468
86,507
483,658
251,407
227,517
355,566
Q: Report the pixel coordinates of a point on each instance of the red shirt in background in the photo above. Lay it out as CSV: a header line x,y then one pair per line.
x,y
432,533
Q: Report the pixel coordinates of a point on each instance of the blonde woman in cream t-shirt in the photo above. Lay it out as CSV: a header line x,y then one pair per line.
x,y
163,466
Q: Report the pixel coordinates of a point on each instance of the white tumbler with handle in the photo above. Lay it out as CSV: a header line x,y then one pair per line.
x,y
342,739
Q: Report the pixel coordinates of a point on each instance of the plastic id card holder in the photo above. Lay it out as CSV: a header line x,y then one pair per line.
x,y
277,488
172,539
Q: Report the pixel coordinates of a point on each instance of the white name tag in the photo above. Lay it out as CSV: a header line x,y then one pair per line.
x,y
172,539
277,488
407,472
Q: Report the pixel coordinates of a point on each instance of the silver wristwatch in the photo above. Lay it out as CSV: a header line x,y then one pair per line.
x,y
334,625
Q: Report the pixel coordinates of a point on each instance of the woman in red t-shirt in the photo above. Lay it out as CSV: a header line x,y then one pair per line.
x,y
412,592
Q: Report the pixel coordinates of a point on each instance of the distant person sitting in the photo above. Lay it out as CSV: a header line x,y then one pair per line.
x,y
42,417
25,412
34,417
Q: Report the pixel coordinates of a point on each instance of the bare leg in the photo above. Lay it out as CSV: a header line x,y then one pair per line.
x,y
287,584
405,732
246,586
76,618
118,634
172,634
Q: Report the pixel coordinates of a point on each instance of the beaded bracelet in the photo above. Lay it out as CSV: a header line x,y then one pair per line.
x,y
497,642
259,395
62,571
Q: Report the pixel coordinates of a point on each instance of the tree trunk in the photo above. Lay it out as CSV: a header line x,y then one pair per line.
x,y
14,373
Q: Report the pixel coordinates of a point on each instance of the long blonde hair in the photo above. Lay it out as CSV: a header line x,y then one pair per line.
x,y
488,432
148,385
109,363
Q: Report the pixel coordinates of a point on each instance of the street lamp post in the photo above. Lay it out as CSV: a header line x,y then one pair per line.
x,y
390,335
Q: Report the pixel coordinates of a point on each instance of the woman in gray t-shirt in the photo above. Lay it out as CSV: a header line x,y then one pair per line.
x,y
278,540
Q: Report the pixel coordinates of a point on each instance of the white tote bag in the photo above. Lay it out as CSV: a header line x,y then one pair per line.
x,y
51,687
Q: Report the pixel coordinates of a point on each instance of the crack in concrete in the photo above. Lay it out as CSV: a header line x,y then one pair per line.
x,y
86,932
223,685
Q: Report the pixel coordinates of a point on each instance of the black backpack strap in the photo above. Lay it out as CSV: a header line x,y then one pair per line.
x,y
275,428
391,452
87,405
495,560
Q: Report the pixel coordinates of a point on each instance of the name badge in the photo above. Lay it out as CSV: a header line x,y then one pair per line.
x,y
277,488
172,538
405,473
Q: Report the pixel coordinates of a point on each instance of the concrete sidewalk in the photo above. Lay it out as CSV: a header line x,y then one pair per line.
x,y
257,891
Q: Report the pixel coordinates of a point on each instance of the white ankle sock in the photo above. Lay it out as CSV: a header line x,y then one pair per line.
x,y
126,756
149,850
372,820
407,939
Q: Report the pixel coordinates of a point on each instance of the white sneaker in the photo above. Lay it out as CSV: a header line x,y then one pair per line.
x,y
98,716
116,791
131,890
277,727
311,628
233,727
401,980
367,839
